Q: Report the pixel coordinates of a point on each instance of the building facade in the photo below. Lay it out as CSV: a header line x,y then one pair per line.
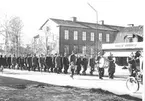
x,y
81,37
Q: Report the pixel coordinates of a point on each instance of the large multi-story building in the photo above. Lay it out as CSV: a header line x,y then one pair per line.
x,y
82,37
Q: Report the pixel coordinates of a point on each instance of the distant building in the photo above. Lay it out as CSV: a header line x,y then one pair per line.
x,y
72,35
128,40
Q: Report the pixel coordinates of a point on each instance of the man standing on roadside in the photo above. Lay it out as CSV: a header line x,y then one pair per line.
x,y
111,69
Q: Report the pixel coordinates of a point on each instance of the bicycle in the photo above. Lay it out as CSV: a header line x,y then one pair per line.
x,y
133,82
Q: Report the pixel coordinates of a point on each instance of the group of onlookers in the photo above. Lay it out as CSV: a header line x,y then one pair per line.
x,y
135,62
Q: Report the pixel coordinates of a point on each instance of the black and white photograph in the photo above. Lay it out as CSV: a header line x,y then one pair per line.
x,y
72,50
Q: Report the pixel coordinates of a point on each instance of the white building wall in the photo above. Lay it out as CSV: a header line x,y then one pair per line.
x,y
53,36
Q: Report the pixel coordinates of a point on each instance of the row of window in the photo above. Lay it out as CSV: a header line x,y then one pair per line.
x,y
92,36
75,48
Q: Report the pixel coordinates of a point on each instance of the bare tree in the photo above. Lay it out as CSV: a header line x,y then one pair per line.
x,y
11,28
16,26
4,31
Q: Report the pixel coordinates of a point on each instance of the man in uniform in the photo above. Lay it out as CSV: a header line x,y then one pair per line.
x,y
65,63
92,64
14,61
29,62
1,63
42,62
100,61
72,63
78,63
58,63
9,60
35,62
22,60
85,64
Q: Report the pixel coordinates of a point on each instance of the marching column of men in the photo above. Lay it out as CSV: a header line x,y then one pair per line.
x,y
52,63
49,63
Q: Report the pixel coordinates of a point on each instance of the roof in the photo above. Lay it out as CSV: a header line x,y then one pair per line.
x,y
43,24
136,30
79,24
118,28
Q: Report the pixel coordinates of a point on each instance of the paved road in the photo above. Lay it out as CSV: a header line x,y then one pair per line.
x,y
116,85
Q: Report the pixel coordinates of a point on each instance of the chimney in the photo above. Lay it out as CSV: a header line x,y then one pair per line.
x,y
102,22
131,25
74,19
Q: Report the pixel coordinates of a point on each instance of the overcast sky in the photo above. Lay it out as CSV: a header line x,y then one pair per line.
x,y
34,13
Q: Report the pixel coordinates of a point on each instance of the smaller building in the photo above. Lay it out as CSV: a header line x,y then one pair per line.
x,y
128,40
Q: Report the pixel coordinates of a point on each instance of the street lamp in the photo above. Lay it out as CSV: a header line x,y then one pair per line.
x,y
96,24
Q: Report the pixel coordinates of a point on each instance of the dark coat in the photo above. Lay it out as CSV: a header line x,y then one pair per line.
x,y
22,60
61,60
49,61
85,62
73,58
53,61
5,61
79,61
9,60
92,62
42,60
14,60
30,61
111,68
57,61
18,60
132,63
1,61
35,60
65,61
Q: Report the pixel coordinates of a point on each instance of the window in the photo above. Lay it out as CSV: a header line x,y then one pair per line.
x,y
66,49
100,36
92,50
84,36
107,38
75,35
84,50
92,36
66,34
75,49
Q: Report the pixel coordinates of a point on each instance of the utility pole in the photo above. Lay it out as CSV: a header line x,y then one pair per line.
x,y
96,44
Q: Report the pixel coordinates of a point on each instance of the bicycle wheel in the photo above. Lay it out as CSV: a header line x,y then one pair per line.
x,y
132,84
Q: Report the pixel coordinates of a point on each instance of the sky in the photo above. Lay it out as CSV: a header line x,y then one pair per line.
x,y
34,13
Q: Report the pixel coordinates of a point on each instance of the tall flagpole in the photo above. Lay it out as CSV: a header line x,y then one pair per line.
x,y
96,44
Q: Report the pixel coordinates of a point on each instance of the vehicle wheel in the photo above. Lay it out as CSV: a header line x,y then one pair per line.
x,y
132,84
